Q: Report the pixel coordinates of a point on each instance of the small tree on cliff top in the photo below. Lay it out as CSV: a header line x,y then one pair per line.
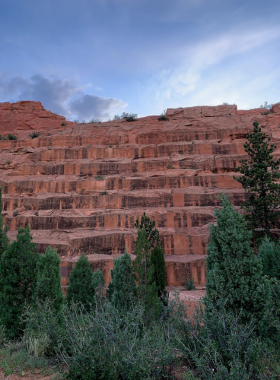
x,y
4,241
17,280
234,272
260,173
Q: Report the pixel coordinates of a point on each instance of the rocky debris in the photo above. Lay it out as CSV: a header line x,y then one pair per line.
x,y
82,186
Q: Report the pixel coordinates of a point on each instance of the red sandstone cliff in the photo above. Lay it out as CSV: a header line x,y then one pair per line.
x,y
82,186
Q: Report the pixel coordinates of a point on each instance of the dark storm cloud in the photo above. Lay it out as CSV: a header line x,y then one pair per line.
x,y
88,106
60,96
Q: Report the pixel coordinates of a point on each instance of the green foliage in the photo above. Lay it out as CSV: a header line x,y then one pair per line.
x,y
4,240
99,178
234,273
129,116
17,277
260,174
48,279
122,289
221,347
97,282
190,285
151,232
63,124
144,270
111,345
159,275
80,288
12,137
44,327
34,134
269,254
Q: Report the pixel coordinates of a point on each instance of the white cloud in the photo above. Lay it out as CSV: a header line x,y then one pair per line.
x,y
201,77
61,96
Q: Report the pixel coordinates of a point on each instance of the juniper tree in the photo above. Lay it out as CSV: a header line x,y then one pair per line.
x,y
81,290
4,241
48,279
122,289
152,233
260,173
159,275
234,272
17,279
144,270
269,254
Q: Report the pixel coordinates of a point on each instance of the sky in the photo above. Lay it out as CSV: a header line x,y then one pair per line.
x,y
92,59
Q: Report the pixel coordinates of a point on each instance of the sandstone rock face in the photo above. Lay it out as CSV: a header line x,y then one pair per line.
x,y
24,116
81,187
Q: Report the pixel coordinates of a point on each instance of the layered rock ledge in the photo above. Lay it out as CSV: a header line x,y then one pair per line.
x,y
81,187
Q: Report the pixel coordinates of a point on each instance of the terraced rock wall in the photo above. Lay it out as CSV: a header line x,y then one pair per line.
x,y
81,187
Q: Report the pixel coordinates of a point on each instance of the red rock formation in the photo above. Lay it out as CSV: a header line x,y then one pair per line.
x,y
81,187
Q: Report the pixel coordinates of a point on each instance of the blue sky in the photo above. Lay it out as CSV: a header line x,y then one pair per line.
x,y
90,59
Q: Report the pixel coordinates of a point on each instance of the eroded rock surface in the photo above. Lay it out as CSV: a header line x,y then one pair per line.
x,y
81,187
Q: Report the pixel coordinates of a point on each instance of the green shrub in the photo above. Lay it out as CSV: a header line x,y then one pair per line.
x,y
44,327
159,275
34,134
99,177
269,254
111,345
122,289
48,279
234,272
80,288
63,124
17,278
190,285
221,347
12,137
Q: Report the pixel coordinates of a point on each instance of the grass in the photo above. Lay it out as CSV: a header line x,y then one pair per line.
x,y
14,359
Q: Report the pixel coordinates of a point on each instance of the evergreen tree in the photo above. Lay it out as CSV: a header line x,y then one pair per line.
x,y
159,275
144,270
4,240
234,272
48,279
259,180
152,233
122,289
269,254
97,282
81,288
17,278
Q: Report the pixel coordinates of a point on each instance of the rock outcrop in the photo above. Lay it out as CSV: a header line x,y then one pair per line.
x,y
81,187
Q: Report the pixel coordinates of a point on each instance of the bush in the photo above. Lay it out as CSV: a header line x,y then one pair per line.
x,y
12,137
122,289
34,134
190,285
44,327
111,345
17,279
269,254
63,124
234,273
48,279
81,290
221,347
159,275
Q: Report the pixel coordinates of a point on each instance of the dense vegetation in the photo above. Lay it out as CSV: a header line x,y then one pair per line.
x,y
132,330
